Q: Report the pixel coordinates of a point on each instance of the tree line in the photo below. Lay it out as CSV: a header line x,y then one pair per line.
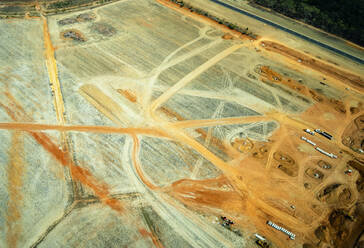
x,y
340,17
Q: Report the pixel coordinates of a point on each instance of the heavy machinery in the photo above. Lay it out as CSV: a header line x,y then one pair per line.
x,y
262,243
326,135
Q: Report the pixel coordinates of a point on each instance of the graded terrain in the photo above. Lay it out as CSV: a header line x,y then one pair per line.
x,y
144,124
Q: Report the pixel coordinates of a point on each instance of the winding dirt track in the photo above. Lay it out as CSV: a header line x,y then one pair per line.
x,y
135,159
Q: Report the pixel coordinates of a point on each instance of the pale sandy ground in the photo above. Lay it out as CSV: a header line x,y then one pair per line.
x,y
146,136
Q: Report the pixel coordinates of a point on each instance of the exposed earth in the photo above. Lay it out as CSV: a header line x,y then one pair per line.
x,y
140,123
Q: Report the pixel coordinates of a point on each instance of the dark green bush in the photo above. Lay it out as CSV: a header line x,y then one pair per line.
x,y
341,17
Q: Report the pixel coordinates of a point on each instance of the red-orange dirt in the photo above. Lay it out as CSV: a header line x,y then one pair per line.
x,y
208,193
15,183
128,95
348,78
16,112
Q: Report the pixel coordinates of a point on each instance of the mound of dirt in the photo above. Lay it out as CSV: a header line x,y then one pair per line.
x,y
322,233
227,36
360,184
357,165
353,136
314,173
338,106
242,144
324,165
335,194
337,218
356,108
260,152
276,78
286,164
283,158
316,96
85,17
308,246
341,75
67,21
103,29
72,34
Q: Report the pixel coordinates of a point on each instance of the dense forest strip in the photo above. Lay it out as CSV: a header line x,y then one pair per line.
x,y
339,17
21,8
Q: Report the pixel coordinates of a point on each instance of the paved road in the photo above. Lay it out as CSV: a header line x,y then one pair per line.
x,y
300,35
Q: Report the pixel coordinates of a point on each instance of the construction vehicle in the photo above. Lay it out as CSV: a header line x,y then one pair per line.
x,y
262,243
225,222
309,131
326,135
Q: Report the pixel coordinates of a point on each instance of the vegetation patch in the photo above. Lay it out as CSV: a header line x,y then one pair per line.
x,y
67,21
339,17
86,17
72,34
71,5
103,29
11,11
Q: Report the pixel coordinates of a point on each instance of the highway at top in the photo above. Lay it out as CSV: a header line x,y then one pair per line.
x,y
293,32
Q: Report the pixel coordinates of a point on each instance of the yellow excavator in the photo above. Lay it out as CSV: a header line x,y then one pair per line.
x,y
262,244
261,241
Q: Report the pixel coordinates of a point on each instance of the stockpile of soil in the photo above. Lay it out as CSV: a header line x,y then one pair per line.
x,y
85,17
73,34
103,29
353,136
286,164
334,72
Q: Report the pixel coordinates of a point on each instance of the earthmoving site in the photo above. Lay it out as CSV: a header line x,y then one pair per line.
x,y
144,123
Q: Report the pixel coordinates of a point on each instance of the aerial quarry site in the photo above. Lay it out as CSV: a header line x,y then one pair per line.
x,y
164,123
